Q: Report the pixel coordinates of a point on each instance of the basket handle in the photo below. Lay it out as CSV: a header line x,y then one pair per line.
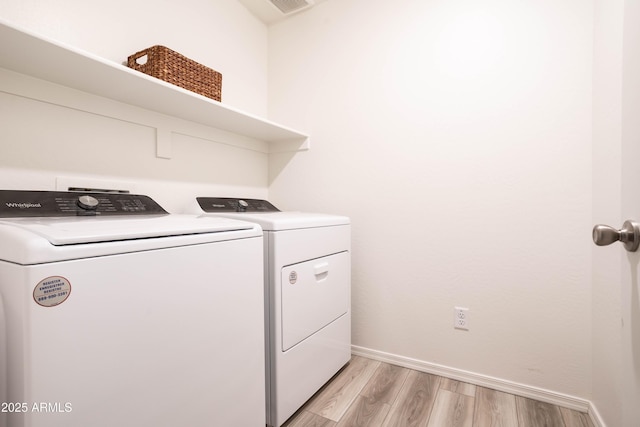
x,y
132,61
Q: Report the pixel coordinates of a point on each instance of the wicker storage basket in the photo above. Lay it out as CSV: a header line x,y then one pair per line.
x,y
168,65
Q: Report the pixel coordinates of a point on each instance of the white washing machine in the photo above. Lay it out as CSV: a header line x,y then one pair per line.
x,y
307,295
115,313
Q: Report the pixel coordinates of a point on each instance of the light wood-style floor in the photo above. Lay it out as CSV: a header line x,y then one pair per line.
x,y
370,393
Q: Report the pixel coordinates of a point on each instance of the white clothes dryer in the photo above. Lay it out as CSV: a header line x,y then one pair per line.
x,y
307,298
115,313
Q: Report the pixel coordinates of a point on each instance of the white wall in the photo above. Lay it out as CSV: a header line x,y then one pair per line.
x,y
457,136
46,140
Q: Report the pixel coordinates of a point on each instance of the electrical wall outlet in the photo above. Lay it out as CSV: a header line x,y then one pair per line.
x,y
461,318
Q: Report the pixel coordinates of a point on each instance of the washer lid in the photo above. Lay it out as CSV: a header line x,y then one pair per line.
x,y
77,230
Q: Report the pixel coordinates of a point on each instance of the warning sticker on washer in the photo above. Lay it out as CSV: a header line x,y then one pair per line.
x,y
53,290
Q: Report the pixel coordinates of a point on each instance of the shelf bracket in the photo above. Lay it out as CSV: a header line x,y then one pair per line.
x,y
163,143
290,145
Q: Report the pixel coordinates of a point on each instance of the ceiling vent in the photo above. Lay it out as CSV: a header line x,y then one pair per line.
x,y
271,11
290,6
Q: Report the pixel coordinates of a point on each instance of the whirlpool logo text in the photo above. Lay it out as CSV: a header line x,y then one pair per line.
x,y
23,205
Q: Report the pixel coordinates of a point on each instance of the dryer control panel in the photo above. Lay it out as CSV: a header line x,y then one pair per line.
x,y
225,204
68,203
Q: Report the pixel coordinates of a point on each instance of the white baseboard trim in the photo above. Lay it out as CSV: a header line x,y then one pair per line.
x,y
595,417
499,384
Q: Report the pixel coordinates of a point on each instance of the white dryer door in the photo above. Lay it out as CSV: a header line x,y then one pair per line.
x,y
314,294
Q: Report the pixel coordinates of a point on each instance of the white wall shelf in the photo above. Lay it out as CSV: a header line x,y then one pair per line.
x,y
27,53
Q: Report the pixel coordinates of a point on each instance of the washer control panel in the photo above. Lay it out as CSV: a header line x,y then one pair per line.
x,y
225,204
68,203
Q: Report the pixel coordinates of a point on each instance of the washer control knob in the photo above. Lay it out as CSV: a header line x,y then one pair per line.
x,y
242,206
87,202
